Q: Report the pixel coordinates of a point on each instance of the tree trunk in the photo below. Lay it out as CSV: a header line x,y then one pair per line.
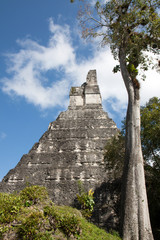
x,y
135,214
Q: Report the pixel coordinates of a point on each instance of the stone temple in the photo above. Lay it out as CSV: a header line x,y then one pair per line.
x,y
71,149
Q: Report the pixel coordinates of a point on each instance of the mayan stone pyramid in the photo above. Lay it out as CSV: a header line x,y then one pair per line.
x,y
70,150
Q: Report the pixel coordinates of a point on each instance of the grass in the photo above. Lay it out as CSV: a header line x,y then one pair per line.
x,y
31,215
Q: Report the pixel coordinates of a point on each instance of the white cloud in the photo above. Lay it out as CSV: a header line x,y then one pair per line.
x,y
28,69
30,64
150,87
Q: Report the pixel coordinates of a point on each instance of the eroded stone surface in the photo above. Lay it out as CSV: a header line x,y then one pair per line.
x,y
70,150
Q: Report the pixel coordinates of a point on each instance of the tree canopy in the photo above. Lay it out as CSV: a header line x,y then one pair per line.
x,y
132,24
150,132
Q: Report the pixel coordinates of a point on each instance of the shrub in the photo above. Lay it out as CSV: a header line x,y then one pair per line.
x,y
62,219
10,205
3,229
30,226
33,194
45,236
86,201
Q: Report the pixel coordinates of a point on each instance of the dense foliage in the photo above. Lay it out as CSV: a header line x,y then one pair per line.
x,y
85,201
150,132
31,215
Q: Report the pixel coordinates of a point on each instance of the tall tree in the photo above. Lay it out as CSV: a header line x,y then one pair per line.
x,y
150,132
130,27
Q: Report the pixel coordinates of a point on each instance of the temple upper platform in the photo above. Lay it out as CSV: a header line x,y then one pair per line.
x,y
88,94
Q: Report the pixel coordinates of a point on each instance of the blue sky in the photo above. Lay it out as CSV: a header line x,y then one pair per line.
x,y
41,56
